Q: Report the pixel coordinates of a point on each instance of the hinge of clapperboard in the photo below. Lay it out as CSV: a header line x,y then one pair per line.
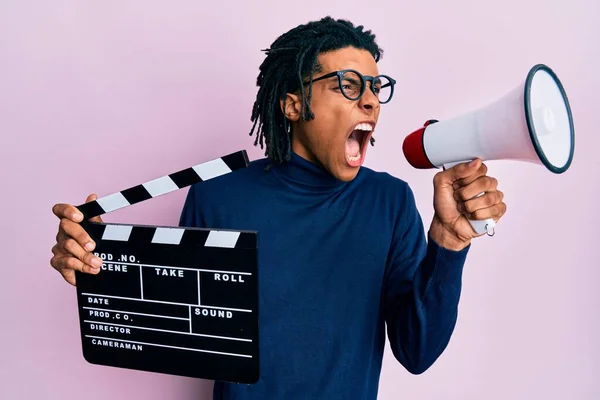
x,y
165,184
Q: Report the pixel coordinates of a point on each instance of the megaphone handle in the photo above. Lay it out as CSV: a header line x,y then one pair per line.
x,y
483,226
478,225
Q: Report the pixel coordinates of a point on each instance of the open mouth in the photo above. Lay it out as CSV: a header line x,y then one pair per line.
x,y
356,143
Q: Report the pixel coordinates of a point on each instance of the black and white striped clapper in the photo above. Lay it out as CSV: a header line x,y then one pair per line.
x,y
166,184
173,300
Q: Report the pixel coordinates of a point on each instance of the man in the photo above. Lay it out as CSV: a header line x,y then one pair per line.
x,y
343,251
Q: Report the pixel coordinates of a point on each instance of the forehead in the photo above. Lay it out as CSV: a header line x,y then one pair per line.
x,y
349,58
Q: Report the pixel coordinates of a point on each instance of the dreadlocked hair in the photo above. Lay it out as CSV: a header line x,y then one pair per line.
x,y
290,59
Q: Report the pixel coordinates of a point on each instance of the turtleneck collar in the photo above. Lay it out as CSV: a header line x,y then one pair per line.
x,y
303,174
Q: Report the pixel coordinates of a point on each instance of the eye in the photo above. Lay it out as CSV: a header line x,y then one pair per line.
x,y
350,87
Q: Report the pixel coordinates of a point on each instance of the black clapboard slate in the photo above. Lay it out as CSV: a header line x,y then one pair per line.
x,y
174,300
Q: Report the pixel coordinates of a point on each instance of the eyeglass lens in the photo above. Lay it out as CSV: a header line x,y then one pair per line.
x,y
352,86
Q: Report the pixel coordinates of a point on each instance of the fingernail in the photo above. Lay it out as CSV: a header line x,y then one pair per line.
x,y
96,262
473,163
455,186
77,216
89,246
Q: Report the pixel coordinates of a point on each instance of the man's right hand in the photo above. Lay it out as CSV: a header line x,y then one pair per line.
x,y
73,248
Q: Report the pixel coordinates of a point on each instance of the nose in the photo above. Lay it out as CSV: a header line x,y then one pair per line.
x,y
369,101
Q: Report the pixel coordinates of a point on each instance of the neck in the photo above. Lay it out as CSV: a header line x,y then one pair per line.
x,y
303,173
304,151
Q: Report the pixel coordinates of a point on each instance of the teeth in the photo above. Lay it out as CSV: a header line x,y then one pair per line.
x,y
363,127
354,158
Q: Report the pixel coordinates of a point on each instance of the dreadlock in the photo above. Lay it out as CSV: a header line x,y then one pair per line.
x,y
290,59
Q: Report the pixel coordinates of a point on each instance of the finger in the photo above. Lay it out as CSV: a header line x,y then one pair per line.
x,y
464,170
481,171
70,262
76,231
71,247
78,265
62,253
91,198
56,250
60,235
495,212
484,201
67,266
475,188
67,274
55,254
67,211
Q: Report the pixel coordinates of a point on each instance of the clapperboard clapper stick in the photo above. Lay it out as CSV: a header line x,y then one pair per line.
x,y
173,300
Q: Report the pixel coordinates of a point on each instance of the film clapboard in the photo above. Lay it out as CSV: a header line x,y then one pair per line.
x,y
173,300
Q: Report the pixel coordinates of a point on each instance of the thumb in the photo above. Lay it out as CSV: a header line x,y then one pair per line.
x,y
90,198
464,170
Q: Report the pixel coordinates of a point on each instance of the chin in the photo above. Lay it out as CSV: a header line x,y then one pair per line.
x,y
346,173
347,169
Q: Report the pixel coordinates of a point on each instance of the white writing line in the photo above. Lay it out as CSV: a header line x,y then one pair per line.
x,y
190,307
199,298
168,331
170,347
165,302
172,267
141,284
134,313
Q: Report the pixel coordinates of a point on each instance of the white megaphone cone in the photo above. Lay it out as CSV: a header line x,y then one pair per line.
x,y
531,123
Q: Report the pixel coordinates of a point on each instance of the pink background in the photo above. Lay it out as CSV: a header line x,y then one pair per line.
x,y
100,96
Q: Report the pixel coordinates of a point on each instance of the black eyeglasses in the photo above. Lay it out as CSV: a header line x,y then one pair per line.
x,y
353,83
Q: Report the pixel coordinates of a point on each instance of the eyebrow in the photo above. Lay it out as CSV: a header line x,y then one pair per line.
x,y
353,81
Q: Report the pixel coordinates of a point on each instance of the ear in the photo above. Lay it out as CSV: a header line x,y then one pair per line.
x,y
291,106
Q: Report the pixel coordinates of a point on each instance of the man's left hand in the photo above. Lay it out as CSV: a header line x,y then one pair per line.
x,y
456,200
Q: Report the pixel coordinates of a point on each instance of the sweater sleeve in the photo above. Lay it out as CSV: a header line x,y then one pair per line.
x,y
422,286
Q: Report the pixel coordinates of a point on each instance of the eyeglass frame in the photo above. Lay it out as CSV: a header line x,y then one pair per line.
x,y
364,79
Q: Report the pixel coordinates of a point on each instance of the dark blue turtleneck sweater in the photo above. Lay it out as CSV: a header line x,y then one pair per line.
x,y
337,262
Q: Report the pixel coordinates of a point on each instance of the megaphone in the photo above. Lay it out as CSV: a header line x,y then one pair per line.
x,y
532,123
